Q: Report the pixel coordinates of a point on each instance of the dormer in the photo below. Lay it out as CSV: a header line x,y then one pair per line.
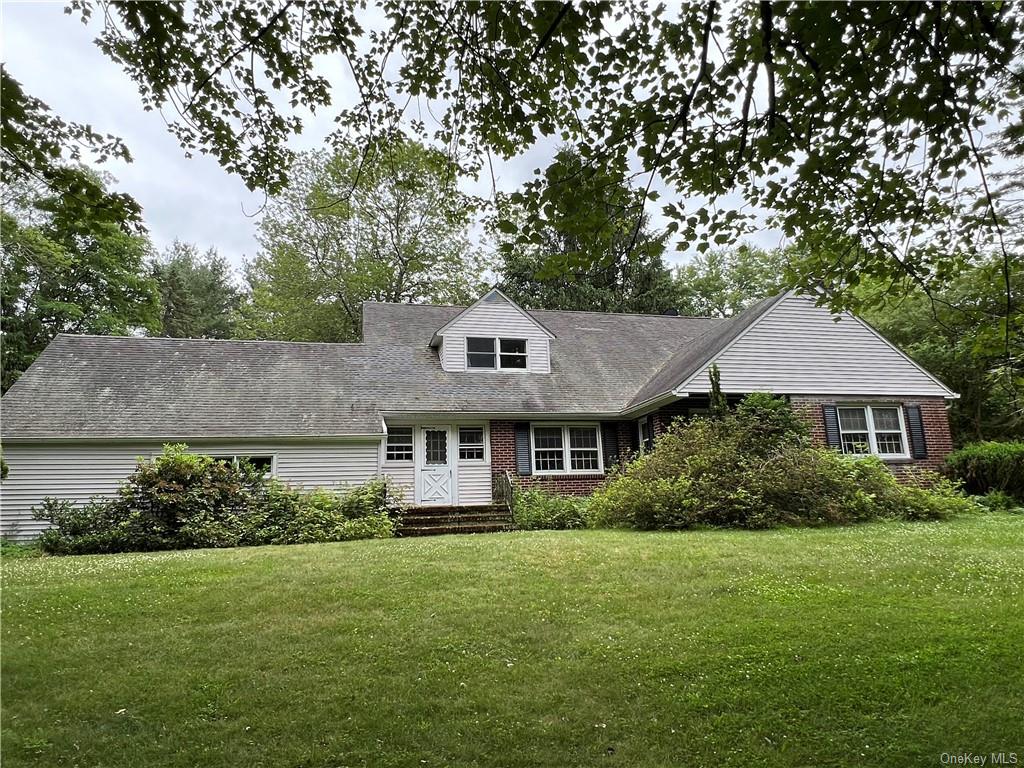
x,y
495,334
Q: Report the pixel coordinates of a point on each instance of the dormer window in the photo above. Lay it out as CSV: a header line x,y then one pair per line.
x,y
487,352
513,353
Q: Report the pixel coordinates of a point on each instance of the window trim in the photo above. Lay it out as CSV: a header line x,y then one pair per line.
x,y
644,421
566,449
868,409
234,457
412,444
483,443
497,354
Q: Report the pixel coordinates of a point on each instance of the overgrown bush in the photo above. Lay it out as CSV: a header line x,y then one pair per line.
x,y
291,516
1000,501
989,466
181,501
754,468
536,509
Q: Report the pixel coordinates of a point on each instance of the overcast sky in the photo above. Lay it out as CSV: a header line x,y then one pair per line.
x,y
191,199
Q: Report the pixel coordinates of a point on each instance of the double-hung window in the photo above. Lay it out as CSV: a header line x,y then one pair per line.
x,y
874,429
566,449
471,443
399,447
487,352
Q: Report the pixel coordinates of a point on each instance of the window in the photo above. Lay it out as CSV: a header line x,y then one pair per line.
x,y
480,353
484,352
583,452
644,431
513,353
435,444
872,429
265,464
471,443
399,446
566,448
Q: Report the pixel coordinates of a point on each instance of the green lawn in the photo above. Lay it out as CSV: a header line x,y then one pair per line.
x,y
885,644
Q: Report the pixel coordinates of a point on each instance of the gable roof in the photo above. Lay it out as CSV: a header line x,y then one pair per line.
x,y
602,365
117,387
105,387
493,295
691,358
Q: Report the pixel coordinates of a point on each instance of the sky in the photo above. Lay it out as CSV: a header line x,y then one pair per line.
x,y
186,198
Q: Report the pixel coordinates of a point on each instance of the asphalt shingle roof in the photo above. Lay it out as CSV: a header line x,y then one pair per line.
x,y
118,387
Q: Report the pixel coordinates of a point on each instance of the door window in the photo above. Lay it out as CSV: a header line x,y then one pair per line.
x,y
435,444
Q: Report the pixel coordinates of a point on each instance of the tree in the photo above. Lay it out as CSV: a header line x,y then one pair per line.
x,y
198,298
584,257
721,283
67,274
37,147
959,335
861,125
388,226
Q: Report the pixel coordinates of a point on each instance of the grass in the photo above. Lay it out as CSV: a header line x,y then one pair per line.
x,y
883,644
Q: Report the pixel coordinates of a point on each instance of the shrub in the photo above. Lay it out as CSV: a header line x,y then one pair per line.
x,y
989,466
1000,501
755,469
535,509
181,500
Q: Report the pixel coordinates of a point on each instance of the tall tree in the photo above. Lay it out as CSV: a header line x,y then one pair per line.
x,y
833,119
725,282
958,334
585,256
198,296
385,226
66,272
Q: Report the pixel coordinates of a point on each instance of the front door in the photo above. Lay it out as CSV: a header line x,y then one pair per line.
x,y
434,467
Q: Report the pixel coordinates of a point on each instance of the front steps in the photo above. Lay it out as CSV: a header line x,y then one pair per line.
x,y
433,521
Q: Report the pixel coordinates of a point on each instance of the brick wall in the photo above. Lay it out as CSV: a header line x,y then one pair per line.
x,y
503,459
933,414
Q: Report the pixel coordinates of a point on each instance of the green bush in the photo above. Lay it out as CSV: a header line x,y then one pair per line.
x,y
989,466
182,501
1000,501
754,468
536,509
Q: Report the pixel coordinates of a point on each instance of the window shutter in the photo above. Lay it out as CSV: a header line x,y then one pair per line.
x,y
831,416
523,464
610,443
915,426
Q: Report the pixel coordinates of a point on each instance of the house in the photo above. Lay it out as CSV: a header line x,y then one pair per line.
x,y
447,400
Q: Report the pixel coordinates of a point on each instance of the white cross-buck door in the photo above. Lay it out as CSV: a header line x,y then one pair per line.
x,y
434,466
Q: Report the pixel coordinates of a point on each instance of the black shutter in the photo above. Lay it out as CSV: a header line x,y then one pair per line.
x,y
523,463
915,426
831,416
610,443
634,436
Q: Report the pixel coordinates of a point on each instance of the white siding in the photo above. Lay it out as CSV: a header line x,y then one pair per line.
x,y
495,318
474,483
78,472
798,348
404,478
